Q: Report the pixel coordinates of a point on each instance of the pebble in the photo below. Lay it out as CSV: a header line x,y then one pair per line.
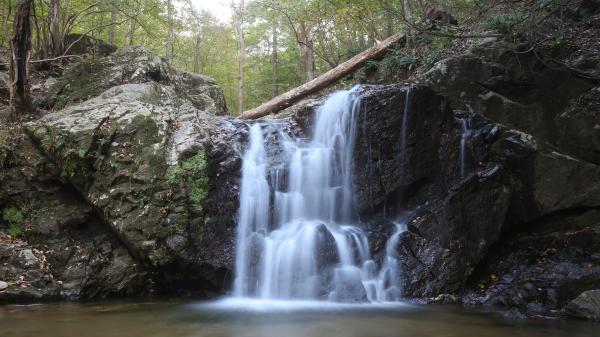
x,y
3,285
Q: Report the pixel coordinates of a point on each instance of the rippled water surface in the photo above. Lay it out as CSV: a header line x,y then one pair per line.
x,y
270,319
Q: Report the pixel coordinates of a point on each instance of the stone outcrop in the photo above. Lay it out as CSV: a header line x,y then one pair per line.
x,y
134,65
151,184
57,247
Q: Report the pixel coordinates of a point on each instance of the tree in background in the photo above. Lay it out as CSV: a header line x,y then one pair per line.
x,y
238,22
283,43
20,49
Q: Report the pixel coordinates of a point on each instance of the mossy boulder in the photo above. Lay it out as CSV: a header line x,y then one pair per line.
x,y
134,65
154,162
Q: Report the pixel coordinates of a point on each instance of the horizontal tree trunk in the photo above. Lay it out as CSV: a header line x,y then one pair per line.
x,y
289,98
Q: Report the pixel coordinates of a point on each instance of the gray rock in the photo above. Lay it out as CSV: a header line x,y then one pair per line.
x,y
136,65
28,259
3,285
585,306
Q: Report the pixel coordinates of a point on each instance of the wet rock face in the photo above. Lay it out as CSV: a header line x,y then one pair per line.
x,y
509,85
386,168
586,306
580,126
538,274
475,235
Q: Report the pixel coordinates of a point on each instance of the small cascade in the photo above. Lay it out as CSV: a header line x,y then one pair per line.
x,y
296,234
386,285
404,130
464,138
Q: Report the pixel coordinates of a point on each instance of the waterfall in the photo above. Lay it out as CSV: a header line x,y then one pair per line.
x,y
465,134
296,237
404,129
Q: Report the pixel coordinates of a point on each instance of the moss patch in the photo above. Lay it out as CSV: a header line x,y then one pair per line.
x,y
191,175
79,82
62,147
15,217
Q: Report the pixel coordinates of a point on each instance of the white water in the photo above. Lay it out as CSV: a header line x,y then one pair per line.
x,y
295,237
404,130
466,133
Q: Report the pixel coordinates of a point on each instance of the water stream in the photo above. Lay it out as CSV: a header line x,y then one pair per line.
x,y
297,233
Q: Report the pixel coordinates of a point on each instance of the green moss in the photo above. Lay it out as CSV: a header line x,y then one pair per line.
x,y
174,175
191,175
62,148
15,230
15,217
196,179
79,82
399,58
7,157
505,23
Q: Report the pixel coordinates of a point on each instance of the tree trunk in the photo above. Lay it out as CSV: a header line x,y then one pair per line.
x,y
239,21
113,23
287,99
407,10
308,56
274,84
5,23
171,34
55,31
20,47
198,40
310,59
389,23
132,29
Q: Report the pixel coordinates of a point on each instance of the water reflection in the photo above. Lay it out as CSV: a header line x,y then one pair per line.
x,y
270,319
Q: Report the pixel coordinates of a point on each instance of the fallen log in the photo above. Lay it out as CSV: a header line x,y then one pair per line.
x,y
289,98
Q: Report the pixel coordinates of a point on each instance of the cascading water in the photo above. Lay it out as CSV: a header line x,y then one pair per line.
x,y
466,133
404,129
295,237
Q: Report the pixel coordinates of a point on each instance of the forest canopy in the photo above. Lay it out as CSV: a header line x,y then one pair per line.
x,y
266,47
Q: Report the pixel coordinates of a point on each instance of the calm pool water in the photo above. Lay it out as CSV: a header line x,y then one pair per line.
x,y
270,319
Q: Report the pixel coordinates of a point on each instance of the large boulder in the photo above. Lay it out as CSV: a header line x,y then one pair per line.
x,y
144,181
147,160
